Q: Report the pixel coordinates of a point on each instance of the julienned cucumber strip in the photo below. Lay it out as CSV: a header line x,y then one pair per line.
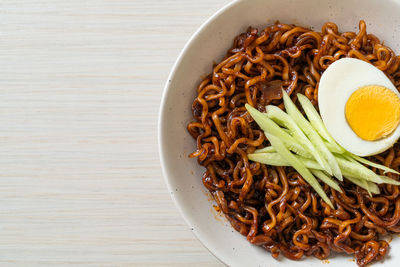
x,y
357,160
326,179
267,124
271,149
388,180
355,169
267,149
372,164
295,113
365,183
283,119
275,159
373,188
296,163
316,122
382,178
347,157
333,148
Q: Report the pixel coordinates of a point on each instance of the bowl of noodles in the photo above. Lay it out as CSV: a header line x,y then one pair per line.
x,y
248,213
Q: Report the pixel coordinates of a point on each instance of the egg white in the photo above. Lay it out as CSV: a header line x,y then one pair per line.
x,y
337,83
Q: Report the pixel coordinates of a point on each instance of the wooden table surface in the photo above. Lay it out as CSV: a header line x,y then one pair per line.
x,y
80,87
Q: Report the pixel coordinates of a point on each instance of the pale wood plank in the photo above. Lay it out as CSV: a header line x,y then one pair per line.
x,y
80,85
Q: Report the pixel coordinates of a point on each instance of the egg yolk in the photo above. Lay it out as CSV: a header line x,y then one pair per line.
x,y
373,112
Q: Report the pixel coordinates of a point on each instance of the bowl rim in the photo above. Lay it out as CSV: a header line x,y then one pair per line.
x,y
161,114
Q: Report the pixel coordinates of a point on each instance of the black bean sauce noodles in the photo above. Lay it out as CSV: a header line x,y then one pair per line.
x,y
273,206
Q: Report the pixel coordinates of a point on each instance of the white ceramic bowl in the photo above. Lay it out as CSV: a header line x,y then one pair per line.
x,y
209,43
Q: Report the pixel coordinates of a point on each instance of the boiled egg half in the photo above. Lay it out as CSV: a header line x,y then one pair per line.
x,y
359,106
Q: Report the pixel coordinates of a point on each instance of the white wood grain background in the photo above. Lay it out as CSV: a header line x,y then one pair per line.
x,y
80,86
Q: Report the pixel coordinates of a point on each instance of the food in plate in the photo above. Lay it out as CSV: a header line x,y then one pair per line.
x,y
301,186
